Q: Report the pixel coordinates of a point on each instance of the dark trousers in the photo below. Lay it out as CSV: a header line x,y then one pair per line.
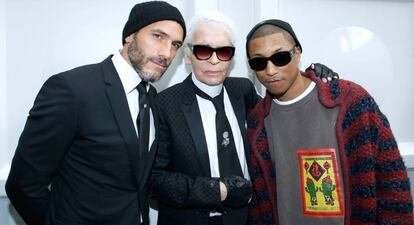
x,y
215,220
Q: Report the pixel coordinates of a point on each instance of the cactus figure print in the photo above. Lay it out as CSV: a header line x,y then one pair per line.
x,y
320,183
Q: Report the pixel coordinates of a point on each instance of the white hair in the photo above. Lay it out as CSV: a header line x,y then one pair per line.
x,y
209,17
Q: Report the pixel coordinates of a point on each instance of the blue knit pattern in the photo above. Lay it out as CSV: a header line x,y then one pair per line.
x,y
367,135
366,104
266,155
394,185
391,166
366,216
263,195
334,89
386,223
363,191
363,166
387,145
252,123
395,206
262,135
257,173
369,190
384,120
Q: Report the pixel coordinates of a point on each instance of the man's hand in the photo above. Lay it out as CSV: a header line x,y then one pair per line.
x,y
236,192
323,72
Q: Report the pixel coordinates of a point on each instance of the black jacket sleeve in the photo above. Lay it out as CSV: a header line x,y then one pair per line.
x,y
48,132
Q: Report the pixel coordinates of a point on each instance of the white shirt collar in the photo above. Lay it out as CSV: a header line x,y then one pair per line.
x,y
129,77
301,96
212,91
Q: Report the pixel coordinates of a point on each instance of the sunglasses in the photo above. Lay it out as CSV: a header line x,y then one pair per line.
x,y
203,52
278,59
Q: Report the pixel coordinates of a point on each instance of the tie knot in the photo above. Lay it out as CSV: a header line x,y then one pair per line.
x,y
143,94
218,102
142,87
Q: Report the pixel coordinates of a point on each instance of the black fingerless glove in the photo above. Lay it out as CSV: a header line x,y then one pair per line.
x,y
323,71
239,191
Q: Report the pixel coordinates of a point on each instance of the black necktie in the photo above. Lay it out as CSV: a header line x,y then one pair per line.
x,y
143,120
226,149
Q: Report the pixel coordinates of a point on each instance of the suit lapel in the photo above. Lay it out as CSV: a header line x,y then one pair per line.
x,y
191,111
119,104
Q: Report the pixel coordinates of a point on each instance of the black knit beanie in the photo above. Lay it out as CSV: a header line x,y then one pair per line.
x,y
145,13
279,23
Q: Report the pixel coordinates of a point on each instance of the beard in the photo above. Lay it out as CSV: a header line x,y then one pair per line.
x,y
138,59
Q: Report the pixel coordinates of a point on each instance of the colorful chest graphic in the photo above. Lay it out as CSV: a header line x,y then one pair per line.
x,y
320,183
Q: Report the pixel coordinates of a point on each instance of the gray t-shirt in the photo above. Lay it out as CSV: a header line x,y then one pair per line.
x,y
304,151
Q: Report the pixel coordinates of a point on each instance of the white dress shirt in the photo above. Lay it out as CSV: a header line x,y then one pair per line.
x,y
130,79
208,118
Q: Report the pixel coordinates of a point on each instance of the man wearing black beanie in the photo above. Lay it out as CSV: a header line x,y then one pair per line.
x,y
321,153
88,145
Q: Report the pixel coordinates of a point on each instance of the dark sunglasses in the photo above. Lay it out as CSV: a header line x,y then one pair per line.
x,y
278,59
203,52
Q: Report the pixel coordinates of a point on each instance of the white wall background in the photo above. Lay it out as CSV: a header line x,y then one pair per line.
x,y
370,42
4,152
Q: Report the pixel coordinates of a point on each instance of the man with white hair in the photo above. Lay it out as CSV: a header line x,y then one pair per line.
x,y
193,181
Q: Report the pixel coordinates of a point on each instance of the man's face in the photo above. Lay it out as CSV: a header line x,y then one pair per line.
x,y
152,49
282,81
211,71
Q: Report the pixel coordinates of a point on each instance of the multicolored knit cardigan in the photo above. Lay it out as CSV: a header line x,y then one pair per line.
x,y
376,185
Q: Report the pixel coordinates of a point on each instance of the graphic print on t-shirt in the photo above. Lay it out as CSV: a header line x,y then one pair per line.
x,y
320,183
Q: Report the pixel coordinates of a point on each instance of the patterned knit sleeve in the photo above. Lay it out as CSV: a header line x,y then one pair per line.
x,y
379,185
262,208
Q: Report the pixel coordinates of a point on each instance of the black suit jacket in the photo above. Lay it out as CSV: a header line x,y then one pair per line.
x,y
79,138
181,179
